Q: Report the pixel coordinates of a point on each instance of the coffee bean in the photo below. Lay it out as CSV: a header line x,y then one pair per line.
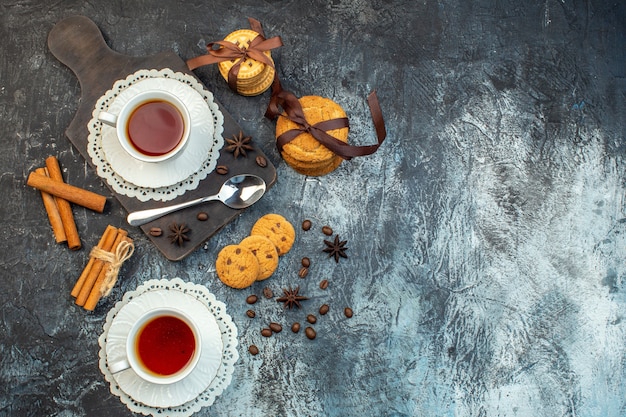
x,y
250,313
306,262
253,350
310,333
156,231
295,327
202,216
306,225
452,351
266,332
324,309
221,169
304,271
267,292
276,328
261,161
311,318
347,312
327,230
252,299
324,284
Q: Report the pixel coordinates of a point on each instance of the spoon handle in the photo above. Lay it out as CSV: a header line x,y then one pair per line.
x,y
141,217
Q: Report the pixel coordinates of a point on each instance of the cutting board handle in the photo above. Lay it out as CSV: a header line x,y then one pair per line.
x,y
78,43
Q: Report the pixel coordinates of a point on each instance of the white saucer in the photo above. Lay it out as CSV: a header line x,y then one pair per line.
x,y
178,168
172,395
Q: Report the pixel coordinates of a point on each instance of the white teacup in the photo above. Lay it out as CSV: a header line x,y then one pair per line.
x,y
162,347
152,126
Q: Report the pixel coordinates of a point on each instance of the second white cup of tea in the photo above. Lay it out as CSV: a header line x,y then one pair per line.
x,y
152,126
162,347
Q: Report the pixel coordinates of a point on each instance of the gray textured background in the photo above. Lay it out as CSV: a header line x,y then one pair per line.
x,y
486,237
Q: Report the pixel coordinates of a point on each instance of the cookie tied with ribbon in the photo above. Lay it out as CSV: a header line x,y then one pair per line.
x,y
244,59
312,131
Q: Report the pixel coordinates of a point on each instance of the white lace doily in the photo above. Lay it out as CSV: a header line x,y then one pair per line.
x,y
119,184
229,356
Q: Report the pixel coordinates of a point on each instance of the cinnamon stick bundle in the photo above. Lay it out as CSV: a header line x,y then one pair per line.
x,y
105,243
100,273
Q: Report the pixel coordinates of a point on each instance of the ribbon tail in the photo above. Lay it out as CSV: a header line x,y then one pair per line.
x,y
263,44
377,116
272,111
201,60
283,99
232,76
347,151
226,51
256,26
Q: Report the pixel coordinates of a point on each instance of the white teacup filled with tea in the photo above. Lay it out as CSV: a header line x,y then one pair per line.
x,y
162,347
152,126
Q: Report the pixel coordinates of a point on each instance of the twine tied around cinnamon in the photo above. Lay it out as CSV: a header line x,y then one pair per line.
x,y
115,260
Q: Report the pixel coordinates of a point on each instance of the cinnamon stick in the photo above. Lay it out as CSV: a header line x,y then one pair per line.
x,y
76,195
65,210
52,210
96,290
97,266
110,230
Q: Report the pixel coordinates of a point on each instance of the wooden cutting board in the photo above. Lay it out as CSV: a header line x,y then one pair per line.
x,y
78,43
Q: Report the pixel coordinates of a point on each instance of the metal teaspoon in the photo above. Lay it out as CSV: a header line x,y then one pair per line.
x,y
237,192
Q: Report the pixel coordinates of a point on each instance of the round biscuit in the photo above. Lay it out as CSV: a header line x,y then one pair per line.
x,y
314,170
254,81
277,229
262,86
265,252
237,266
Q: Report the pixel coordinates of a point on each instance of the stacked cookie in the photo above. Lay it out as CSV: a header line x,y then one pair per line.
x,y
304,153
255,258
254,77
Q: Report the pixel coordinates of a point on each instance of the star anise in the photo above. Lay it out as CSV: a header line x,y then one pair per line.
x,y
239,144
179,233
336,248
291,298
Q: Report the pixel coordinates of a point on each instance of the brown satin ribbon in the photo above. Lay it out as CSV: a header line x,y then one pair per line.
x,y
293,111
221,51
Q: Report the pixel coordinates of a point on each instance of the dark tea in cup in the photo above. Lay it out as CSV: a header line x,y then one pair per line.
x,y
165,345
151,126
155,127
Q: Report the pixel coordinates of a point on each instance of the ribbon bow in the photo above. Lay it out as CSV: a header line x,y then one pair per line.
x,y
294,112
221,51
